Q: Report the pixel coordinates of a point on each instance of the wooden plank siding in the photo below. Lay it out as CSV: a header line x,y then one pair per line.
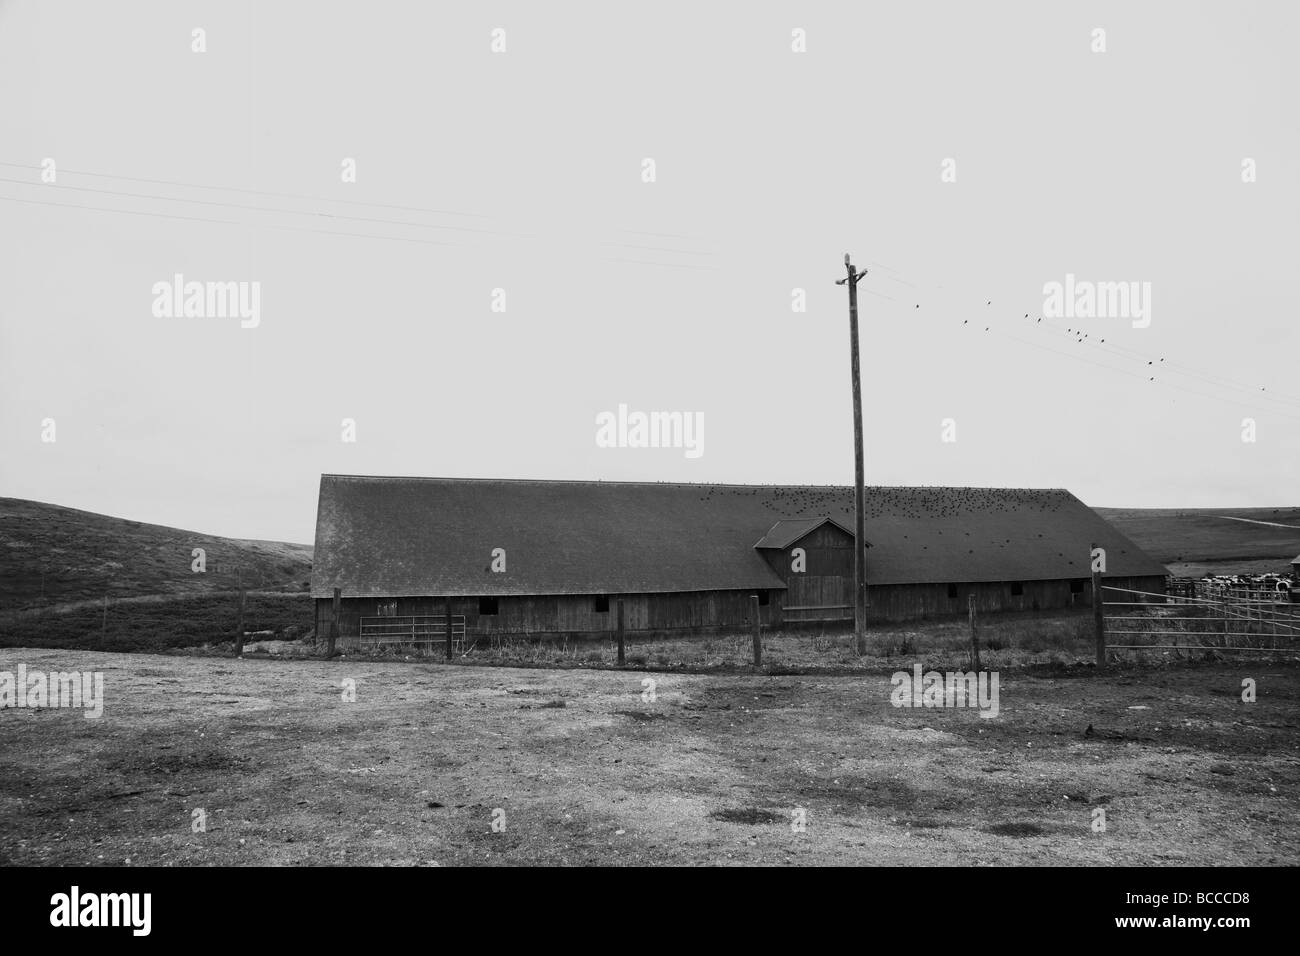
x,y
572,615
904,602
823,591
703,612
826,587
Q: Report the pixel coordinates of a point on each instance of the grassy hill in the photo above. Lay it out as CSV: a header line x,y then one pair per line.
x,y
51,555
1196,541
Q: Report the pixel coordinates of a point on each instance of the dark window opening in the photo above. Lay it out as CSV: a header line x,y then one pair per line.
x,y
763,598
1076,586
1017,588
602,603
487,606
952,591
386,609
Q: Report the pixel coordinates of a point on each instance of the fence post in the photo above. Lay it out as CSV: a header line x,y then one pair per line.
x,y
758,633
446,610
620,632
334,622
974,635
1098,617
239,634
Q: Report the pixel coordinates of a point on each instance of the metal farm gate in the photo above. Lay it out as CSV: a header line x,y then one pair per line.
x,y
412,629
1205,617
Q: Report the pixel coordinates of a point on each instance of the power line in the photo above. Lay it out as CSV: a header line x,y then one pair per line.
x,y
133,212
231,205
1140,377
1208,377
1174,368
677,252
667,265
256,192
1122,371
223,222
323,232
1162,367
306,198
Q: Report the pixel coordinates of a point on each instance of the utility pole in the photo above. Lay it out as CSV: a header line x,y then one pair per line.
x,y
859,477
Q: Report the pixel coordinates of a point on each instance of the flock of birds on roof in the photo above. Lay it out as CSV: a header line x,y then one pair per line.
x,y
795,501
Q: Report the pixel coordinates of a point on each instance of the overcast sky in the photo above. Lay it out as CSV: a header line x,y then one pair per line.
x,y
524,171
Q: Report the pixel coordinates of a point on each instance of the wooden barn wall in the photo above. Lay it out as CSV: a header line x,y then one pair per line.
x,y
904,602
826,584
703,610
567,614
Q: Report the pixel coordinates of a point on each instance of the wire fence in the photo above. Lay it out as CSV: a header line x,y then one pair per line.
x,y
1203,617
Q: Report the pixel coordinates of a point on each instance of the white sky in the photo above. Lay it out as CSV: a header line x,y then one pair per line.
x,y
672,295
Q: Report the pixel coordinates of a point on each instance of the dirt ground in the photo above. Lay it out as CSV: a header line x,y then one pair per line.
x,y
578,767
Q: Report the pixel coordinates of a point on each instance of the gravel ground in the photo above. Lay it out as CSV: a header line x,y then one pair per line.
x,y
583,767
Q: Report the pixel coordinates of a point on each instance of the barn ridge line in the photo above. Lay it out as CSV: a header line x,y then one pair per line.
x,y
692,484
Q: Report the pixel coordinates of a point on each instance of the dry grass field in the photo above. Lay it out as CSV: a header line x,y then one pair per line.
x,y
1193,542
52,556
584,770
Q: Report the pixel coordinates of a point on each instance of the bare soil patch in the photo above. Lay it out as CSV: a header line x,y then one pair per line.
x,y
418,768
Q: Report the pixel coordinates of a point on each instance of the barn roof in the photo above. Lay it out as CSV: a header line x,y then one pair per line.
x,y
378,536
786,532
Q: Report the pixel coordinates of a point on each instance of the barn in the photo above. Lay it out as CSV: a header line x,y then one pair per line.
x,y
552,558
